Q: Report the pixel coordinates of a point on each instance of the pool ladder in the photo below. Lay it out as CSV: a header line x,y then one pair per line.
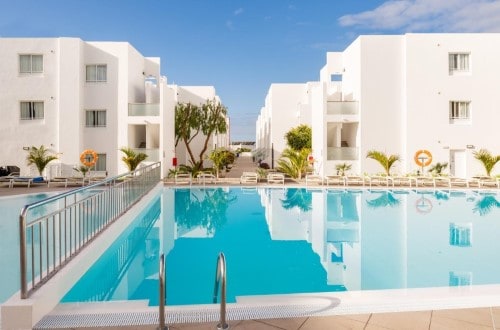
x,y
220,281
161,307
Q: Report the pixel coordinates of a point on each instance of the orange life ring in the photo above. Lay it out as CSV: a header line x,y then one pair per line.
x,y
423,162
88,157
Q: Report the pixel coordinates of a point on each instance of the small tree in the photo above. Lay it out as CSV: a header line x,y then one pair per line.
x,y
293,162
438,168
191,120
299,137
40,157
487,159
385,160
131,158
220,158
343,168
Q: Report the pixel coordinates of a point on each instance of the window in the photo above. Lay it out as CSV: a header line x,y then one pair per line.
x,y
31,110
459,110
30,63
101,163
459,62
96,73
95,118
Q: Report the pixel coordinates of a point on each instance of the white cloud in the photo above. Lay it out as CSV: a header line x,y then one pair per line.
x,y
229,25
238,11
429,15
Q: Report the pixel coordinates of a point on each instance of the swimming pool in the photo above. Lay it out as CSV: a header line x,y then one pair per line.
x,y
280,241
9,243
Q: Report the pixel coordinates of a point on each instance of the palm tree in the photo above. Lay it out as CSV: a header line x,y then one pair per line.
x,y
132,159
438,168
487,159
343,168
384,160
294,162
40,157
220,158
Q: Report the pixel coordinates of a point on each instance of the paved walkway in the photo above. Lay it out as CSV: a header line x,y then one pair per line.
x,y
241,164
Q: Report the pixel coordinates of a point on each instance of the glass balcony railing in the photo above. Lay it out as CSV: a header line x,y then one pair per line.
x,y
153,154
342,108
143,109
342,153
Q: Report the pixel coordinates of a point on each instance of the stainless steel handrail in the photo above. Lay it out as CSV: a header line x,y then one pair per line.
x,y
220,280
161,307
74,219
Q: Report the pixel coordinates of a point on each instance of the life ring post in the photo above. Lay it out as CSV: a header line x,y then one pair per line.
x,y
423,158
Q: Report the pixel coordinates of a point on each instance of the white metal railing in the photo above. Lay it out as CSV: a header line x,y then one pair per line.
x,y
143,109
52,231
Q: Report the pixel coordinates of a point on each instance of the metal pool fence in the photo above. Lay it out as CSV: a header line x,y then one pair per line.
x,y
54,230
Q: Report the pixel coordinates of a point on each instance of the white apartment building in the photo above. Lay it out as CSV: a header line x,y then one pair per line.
x,y
71,95
400,94
286,106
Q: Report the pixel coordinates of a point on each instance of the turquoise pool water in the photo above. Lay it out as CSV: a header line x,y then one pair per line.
x,y
279,241
10,208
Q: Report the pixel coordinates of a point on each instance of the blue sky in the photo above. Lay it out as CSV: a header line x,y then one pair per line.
x,y
241,46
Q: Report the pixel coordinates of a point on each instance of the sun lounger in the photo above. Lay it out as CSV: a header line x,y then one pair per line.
x,y
206,178
7,179
276,178
314,178
183,178
66,181
403,180
354,180
335,180
485,181
379,180
26,180
458,182
424,181
442,181
249,177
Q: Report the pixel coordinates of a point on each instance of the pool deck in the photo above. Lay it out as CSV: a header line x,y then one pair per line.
x,y
459,318
474,318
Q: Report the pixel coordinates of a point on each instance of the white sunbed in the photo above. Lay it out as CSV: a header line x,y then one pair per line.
x,y
183,178
485,181
249,177
458,182
206,178
335,179
276,178
379,180
314,178
403,180
354,179
423,181
66,181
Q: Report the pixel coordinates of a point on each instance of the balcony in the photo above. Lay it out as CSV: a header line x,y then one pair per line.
x,y
153,154
342,153
342,108
143,109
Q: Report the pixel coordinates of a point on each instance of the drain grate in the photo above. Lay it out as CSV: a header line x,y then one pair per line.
x,y
199,315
